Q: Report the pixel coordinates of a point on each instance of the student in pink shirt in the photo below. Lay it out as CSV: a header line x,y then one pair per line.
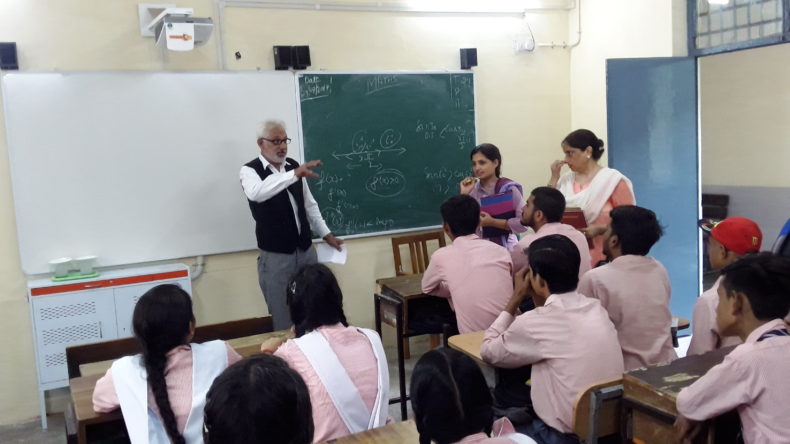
x,y
543,213
452,403
754,297
344,367
473,273
161,392
258,400
729,240
568,338
634,288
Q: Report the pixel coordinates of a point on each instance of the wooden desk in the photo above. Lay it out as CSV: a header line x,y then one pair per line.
x,y
390,303
469,344
395,433
683,323
650,394
82,387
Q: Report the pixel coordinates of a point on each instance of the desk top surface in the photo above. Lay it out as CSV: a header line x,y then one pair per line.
x,y
469,344
403,287
395,433
82,387
658,386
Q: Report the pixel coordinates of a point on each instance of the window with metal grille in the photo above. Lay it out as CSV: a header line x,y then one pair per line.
x,y
720,26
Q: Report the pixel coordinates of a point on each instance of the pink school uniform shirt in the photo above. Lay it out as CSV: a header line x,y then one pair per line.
x,y
753,378
482,438
571,344
178,377
704,333
355,353
476,275
622,195
520,259
635,291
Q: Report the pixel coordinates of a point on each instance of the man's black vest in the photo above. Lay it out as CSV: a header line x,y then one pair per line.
x,y
275,226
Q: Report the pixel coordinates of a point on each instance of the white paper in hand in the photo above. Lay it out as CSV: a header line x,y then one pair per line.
x,y
328,254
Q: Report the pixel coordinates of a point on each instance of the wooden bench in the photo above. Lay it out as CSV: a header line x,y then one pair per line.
x,y
597,411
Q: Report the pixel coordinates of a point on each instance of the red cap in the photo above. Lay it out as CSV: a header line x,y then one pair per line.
x,y
737,234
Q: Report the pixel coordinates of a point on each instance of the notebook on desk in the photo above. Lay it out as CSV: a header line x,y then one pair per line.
x,y
499,206
574,217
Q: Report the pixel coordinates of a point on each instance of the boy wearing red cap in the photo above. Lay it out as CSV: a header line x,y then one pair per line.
x,y
729,240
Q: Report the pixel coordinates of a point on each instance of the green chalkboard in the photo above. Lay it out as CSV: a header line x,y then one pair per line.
x,y
394,146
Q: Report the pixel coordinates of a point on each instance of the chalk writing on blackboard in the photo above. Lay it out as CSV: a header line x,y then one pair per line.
x,y
367,151
386,183
380,82
315,87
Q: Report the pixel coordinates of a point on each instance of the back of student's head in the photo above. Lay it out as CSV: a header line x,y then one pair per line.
x,y
161,322
449,397
556,259
461,213
636,227
258,399
314,299
550,201
765,280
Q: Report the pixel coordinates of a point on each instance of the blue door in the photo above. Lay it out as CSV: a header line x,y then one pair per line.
x,y
652,125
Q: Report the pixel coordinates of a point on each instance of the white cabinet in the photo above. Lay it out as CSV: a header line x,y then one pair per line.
x,y
92,310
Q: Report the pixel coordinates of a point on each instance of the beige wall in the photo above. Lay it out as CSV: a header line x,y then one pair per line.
x,y
745,117
523,106
618,29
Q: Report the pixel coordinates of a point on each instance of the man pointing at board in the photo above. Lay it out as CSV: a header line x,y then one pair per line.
x,y
285,213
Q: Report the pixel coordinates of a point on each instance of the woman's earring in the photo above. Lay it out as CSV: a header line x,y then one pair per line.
x,y
588,156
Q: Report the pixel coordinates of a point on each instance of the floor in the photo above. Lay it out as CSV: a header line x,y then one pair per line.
x,y
31,432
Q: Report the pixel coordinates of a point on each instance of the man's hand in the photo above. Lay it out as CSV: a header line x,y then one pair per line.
x,y
304,170
686,429
334,242
521,289
271,345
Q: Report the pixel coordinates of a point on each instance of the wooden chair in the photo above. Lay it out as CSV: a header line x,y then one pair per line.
x,y
78,355
419,257
597,411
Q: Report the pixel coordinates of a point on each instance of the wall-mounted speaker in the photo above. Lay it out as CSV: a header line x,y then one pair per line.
x,y
300,57
282,57
468,57
8,56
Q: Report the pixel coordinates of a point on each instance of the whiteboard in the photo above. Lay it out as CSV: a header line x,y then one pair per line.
x,y
136,166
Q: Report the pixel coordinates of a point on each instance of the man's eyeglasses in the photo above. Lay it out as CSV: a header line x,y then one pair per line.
x,y
277,142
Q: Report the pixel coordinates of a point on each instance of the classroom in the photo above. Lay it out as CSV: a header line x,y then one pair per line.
x,y
525,103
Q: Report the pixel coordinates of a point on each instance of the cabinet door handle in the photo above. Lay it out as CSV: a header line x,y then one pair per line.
x,y
96,285
101,334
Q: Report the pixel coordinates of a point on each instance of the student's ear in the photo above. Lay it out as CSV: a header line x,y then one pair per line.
x,y
740,304
446,229
538,216
191,331
614,241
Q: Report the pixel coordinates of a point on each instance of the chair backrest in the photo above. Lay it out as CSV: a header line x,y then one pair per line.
x,y
117,348
597,410
782,244
418,250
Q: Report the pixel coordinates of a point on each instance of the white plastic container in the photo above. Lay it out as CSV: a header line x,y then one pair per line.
x,y
85,264
60,267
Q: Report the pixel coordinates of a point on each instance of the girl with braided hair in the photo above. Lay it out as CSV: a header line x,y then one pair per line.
x,y
162,391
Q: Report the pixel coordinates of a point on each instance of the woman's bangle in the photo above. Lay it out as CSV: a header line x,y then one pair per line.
x,y
267,351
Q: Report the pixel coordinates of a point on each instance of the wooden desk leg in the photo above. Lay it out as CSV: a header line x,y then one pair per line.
x,y
377,313
82,437
401,365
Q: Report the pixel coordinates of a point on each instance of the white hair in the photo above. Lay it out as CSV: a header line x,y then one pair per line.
x,y
268,125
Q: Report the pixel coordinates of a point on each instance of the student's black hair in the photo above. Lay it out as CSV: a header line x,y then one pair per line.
x,y
449,397
556,259
636,227
581,139
550,201
259,399
314,299
461,213
491,152
161,322
765,280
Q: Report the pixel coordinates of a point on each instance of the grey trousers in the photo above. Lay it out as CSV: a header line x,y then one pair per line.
x,y
275,270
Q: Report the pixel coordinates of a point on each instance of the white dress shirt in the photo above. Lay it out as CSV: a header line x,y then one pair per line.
x,y
258,190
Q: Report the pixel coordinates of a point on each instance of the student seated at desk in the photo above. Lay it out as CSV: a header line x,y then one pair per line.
x,y
728,241
634,288
754,297
473,273
344,367
568,338
258,400
543,213
452,403
162,391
